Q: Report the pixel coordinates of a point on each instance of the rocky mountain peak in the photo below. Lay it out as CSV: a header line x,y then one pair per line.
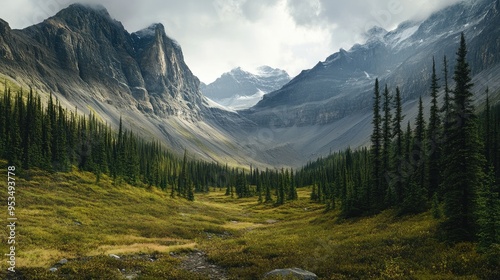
x,y
84,10
80,16
375,33
4,27
154,30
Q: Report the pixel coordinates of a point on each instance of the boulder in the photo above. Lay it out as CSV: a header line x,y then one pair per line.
x,y
292,273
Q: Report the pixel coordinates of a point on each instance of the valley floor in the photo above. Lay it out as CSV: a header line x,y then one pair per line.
x,y
152,236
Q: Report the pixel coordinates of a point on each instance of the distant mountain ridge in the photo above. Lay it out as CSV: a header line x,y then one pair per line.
x,y
342,84
240,89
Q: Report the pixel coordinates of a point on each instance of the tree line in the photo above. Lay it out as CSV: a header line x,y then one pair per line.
x,y
52,138
449,163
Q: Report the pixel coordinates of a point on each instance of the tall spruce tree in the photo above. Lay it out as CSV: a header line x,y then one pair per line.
x,y
434,137
398,160
386,145
463,170
414,200
377,192
487,128
182,183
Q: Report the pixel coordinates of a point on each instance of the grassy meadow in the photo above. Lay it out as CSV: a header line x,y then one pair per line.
x,y
69,215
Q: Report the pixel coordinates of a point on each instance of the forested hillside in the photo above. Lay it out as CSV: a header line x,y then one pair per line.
x,y
449,163
49,137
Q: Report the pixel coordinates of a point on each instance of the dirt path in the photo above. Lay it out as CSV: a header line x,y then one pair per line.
x,y
197,262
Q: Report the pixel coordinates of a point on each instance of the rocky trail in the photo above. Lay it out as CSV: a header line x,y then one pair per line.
x,y
197,262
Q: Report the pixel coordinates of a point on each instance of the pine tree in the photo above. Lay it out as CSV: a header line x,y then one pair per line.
x,y
267,184
463,160
190,191
13,132
62,153
414,199
446,109
419,155
292,191
182,183
487,129
398,160
434,137
488,213
259,186
386,144
377,193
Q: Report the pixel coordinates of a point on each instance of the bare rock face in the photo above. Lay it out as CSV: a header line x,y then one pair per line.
x,y
4,38
165,74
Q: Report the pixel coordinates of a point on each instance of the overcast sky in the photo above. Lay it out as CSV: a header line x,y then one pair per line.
x,y
218,35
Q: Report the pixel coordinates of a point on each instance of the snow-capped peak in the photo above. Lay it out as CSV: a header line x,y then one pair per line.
x,y
241,89
376,33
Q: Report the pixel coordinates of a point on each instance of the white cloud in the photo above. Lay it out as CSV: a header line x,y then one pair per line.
x,y
217,35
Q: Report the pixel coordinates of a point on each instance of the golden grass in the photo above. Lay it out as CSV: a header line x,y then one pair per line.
x,y
137,248
68,215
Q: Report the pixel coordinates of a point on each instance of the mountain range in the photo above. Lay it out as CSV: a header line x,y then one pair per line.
x,y
239,89
89,61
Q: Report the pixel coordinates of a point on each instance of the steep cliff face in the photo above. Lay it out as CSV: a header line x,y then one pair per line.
x,y
5,37
166,75
82,47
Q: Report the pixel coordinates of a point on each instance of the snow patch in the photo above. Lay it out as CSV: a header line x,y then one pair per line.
x,y
241,102
407,33
213,104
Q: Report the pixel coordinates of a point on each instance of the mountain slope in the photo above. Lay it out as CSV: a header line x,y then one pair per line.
x,y
328,107
341,84
90,62
240,89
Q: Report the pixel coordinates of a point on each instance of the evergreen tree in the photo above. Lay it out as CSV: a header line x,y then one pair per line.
x,y
463,160
259,186
397,181
434,137
446,109
414,197
489,213
377,193
487,129
182,183
386,144
292,193
267,184
419,156
13,132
